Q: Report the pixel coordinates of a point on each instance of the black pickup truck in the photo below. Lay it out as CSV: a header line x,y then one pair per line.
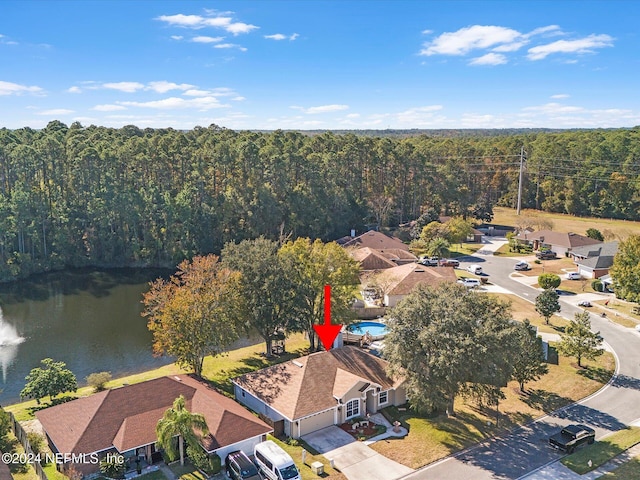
x,y
571,437
546,255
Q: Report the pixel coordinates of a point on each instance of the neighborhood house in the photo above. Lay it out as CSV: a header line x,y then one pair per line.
x,y
124,420
320,390
560,243
594,261
398,282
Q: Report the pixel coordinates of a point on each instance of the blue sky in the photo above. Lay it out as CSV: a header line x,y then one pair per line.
x,y
320,64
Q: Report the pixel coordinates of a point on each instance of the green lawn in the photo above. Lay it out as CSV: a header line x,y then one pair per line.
x,y
602,451
626,471
186,471
312,456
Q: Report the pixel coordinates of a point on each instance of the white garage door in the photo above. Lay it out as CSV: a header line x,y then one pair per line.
x,y
316,422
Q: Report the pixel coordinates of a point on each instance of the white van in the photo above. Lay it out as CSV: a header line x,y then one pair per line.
x,y
475,269
274,462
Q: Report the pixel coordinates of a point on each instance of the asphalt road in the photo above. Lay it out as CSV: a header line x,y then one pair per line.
x,y
525,450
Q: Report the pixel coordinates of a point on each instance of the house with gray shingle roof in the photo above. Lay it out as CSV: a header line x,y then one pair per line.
x,y
594,261
123,420
320,390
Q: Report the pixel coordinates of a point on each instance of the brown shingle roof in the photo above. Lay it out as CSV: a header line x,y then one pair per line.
x,y
309,385
401,280
126,417
376,240
370,259
549,237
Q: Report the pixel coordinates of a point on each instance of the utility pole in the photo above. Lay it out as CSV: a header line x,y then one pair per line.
x,y
520,180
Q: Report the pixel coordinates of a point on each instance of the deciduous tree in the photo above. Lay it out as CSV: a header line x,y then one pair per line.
x,y
626,269
197,312
52,378
440,339
547,304
579,341
317,264
271,293
528,361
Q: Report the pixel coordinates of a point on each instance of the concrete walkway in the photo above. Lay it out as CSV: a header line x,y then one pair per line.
x,y
354,459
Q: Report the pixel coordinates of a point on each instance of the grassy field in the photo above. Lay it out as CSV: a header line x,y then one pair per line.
x,y
602,451
627,471
523,309
430,439
186,472
568,223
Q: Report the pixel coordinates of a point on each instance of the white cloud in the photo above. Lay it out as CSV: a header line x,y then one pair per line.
x,y
220,20
74,89
560,95
205,39
128,87
9,88
321,108
200,103
176,37
510,47
108,108
489,59
470,38
56,111
580,46
196,93
164,87
353,115
193,21
230,45
553,108
239,27
276,36
294,36
550,30
238,99
427,32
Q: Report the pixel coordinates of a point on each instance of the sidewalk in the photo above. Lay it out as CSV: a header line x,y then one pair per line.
x,y
381,420
557,471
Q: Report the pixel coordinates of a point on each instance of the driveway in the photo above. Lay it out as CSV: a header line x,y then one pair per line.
x,y
354,459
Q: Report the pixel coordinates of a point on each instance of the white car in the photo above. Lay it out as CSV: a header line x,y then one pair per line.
x,y
573,276
470,282
475,269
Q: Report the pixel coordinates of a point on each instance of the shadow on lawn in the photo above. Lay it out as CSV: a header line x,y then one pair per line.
x,y
602,375
222,380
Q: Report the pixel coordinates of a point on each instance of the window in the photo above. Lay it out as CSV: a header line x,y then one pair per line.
x,y
383,397
353,408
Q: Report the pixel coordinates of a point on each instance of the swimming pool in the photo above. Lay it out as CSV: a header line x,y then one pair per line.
x,y
356,331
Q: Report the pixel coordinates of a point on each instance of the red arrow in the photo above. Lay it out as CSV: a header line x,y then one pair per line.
x,y
327,332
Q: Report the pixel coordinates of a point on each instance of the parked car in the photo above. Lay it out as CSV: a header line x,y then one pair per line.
x,y
239,467
546,255
449,262
584,303
470,282
429,261
571,437
475,269
522,266
274,462
573,276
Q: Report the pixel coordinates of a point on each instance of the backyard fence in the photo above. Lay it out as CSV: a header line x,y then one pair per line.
x,y
21,435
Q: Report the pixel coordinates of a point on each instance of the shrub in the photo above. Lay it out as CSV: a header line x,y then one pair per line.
x,y
5,423
36,441
98,380
113,466
549,280
208,464
537,262
293,442
597,285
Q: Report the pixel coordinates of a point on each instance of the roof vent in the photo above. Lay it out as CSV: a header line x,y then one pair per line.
x,y
177,378
419,270
296,363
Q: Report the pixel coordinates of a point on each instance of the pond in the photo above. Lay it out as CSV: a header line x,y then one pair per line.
x,y
88,319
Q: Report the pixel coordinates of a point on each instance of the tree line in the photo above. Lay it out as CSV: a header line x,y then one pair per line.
x,y
97,196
